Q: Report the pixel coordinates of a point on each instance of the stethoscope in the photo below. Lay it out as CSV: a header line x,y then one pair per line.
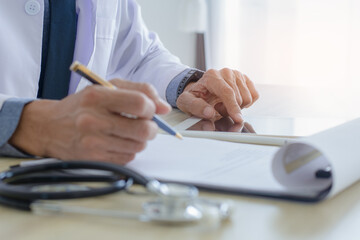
x,y
26,188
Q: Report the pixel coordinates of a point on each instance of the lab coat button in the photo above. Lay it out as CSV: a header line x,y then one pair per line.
x,y
32,7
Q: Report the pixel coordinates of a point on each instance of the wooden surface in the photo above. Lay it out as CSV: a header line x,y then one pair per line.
x,y
254,218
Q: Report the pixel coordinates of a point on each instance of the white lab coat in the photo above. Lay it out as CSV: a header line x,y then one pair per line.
x,y
111,40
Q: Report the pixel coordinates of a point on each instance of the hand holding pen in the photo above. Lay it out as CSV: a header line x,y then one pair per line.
x,y
148,90
88,125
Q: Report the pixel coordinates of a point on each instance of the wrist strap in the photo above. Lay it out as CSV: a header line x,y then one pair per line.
x,y
192,76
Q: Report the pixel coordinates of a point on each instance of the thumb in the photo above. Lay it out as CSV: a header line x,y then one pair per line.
x,y
162,107
198,107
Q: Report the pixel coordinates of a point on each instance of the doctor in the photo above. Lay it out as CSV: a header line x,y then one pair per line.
x,y
49,112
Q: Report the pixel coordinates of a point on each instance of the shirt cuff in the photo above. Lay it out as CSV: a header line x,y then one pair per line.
x,y
10,114
179,82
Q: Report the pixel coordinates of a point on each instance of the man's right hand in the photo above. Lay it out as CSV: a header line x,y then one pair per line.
x,y
89,125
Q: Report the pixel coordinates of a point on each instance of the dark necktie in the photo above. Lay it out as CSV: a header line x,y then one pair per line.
x,y
58,48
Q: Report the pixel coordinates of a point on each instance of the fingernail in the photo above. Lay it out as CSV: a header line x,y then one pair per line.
x,y
239,116
165,103
208,112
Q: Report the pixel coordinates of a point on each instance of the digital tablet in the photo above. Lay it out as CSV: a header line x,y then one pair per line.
x,y
263,125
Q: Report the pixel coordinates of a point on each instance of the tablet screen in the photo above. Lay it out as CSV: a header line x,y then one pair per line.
x,y
261,125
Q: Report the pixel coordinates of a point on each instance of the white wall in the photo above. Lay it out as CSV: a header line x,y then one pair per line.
x,y
162,16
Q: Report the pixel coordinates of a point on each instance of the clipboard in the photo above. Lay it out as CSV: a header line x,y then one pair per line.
x,y
287,172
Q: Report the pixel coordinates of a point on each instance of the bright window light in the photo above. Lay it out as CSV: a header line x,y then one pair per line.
x,y
288,42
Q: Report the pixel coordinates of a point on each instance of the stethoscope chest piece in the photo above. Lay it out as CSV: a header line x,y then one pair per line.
x,y
174,203
157,211
179,203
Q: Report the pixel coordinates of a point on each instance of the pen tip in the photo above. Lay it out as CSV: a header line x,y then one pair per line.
x,y
178,135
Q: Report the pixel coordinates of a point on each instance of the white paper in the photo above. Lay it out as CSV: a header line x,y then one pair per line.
x,y
340,149
208,162
301,175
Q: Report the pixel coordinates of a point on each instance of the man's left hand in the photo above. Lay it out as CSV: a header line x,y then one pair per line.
x,y
218,93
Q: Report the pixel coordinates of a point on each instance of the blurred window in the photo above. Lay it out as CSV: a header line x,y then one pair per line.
x,y
287,42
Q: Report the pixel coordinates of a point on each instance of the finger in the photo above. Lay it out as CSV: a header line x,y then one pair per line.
x,y
162,107
133,129
254,93
244,91
121,145
249,127
118,101
221,89
110,157
121,159
97,147
231,78
220,107
102,143
188,103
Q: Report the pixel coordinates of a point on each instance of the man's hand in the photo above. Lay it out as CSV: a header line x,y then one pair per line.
x,y
90,125
223,92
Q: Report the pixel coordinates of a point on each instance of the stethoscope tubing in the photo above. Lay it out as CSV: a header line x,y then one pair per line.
x,y
21,196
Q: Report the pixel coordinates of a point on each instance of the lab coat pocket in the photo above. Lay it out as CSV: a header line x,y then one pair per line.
x,y
104,34
106,12
105,28
104,37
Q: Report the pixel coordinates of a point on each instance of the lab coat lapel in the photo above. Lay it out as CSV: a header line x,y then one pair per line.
x,y
85,37
101,20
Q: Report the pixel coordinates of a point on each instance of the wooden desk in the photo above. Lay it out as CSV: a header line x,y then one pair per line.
x,y
254,218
